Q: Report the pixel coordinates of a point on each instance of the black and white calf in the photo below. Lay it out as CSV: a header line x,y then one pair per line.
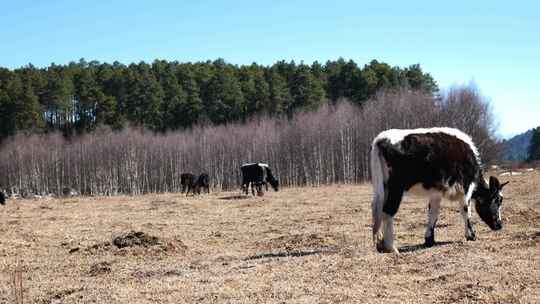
x,y
257,174
437,162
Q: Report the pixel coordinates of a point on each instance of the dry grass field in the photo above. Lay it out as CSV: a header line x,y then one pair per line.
x,y
299,245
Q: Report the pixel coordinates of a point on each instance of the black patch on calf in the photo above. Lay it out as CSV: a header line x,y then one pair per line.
x,y
393,199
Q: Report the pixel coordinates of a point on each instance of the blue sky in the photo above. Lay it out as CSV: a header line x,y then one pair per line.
x,y
496,44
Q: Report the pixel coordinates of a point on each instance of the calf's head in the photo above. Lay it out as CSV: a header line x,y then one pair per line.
x,y
488,203
274,183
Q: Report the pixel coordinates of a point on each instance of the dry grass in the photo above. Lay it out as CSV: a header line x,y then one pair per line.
x,y
301,245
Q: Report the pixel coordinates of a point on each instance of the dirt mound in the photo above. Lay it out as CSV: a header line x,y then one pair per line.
x,y
135,238
135,241
100,268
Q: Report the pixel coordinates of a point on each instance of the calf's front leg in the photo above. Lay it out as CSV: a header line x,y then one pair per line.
x,y
433,215
466,212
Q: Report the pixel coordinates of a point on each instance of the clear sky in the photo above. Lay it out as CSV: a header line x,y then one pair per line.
x,y
494,43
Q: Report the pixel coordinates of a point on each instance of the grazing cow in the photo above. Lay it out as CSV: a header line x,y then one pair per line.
x,y
2,198
189,183
186,180
437,162
257,174
202,182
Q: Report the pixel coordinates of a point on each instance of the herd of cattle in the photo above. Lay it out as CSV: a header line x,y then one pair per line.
x,y
255,175
435,162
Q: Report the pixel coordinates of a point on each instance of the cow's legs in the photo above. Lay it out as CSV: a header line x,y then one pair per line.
x,y
187,189
390,208
259,187
466,211
433,215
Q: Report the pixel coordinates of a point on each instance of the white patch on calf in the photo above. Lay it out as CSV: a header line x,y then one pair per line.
x,y
396,135
468,197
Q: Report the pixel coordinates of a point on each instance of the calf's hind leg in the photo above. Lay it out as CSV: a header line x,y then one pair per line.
x,y
390,208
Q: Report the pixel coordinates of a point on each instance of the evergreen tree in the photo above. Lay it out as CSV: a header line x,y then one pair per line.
x,y
254,88
174,102
28,110
224,100
418,80
144,97
58,99
534,147
87,96
280,97
193,105
306,90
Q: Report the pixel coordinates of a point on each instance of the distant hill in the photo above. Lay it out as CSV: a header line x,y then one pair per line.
x,y
516,148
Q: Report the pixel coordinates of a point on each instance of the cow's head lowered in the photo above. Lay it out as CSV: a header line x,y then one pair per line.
x,y
271,179
488,202
274,183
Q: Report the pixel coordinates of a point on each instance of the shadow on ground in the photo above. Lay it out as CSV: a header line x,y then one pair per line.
x,y
285,254
413,248
234,197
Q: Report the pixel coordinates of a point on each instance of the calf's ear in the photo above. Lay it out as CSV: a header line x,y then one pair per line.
x,y
494,184
504,184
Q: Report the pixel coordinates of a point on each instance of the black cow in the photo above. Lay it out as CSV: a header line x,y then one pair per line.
x,y
186,180
202,182
189,183
257,174
436,162
2,198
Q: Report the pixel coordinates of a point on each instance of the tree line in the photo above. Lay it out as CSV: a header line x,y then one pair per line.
x,y
534,146
324,146
167,95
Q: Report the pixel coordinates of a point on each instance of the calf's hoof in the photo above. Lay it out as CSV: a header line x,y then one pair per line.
x,y
429,241
471,237
381,248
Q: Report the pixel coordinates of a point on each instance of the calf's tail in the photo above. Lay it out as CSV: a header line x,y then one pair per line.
x,y
378,177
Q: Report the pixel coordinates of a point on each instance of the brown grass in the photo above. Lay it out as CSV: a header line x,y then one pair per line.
x,y
300,245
